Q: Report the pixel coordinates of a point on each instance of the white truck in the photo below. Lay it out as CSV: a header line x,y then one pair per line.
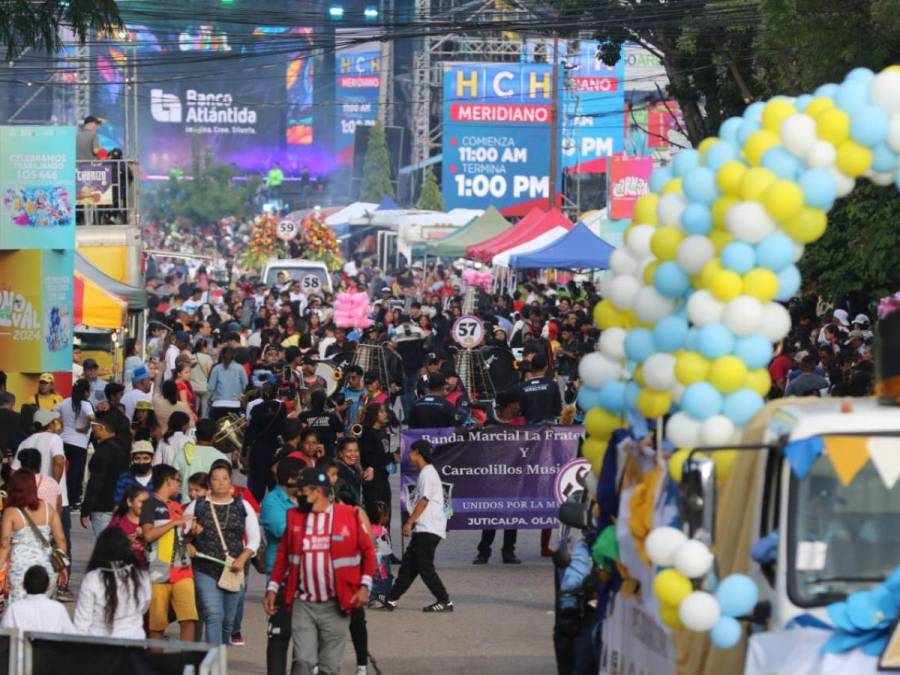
x,y
313,275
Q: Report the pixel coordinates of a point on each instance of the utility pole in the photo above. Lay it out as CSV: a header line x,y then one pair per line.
x,y
554,120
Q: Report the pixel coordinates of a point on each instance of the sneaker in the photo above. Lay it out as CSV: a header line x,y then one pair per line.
x,y
387,605
511,560
480,560
237,640
65,595
439,607
362,670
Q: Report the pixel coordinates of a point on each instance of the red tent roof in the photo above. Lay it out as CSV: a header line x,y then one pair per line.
x,y
526,230
532,217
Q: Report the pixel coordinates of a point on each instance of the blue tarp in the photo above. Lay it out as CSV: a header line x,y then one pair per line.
x,y
387,204
579,248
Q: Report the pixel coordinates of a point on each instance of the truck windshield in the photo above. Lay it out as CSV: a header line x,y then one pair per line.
x,y
312,279
840,539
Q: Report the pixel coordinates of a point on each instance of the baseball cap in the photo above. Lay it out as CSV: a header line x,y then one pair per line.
x,y
143,405
140,374
45,417
841,316
314,478
89,364
539,362
433,357
142,447
423,447
47,377
91,118
861,319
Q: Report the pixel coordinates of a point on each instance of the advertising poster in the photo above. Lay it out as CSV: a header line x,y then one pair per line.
x,y
37,181
495,477
357,71
95,183
36,310
629,178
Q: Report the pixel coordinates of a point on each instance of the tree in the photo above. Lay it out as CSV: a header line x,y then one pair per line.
x,y
376,182
26,24
430,197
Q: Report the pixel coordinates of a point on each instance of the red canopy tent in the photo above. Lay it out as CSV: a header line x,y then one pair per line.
x,y
531,226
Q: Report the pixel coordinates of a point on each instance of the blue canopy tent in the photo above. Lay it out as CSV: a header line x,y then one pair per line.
x,y
579,248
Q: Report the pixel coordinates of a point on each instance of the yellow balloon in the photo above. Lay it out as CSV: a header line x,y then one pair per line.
x,y
676,464
670,617
606,315
599,422
720,208
755,182
761,283
629,319
726,285
653,403
728,177
673,185
807,226
728,374
594,448
853,158
758,143
645,209
818,105
639,376
706,144
833,125
759,381
649,270
720,239
671,587
783,199
664,242
709,271
724,462
597,465
691,367
776,112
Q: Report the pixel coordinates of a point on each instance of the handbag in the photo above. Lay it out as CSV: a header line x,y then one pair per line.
x,y
58,560
229,580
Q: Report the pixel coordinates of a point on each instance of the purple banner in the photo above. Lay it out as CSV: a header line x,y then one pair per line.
x,y
499,477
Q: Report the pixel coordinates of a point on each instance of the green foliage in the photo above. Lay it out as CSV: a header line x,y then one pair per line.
x,y
26,24
376,182
430,197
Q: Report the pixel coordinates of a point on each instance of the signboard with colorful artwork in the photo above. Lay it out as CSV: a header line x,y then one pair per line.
x,y
357,71
629,178
37,182
36,310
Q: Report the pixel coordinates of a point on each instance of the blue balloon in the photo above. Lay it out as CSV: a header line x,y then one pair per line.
x,y
741,406
685,161
802,101
728,131
660,177
869,125
726,633
739,257
884,160
775,252
861,74
754,350
753,112
819,188
670,333
670,280
612,397
737,595
639,344
701,400
692,339
588,397
788,283
746,130
715,340
827,90
696,219
632,391
699,185
782,163
851,96
723,152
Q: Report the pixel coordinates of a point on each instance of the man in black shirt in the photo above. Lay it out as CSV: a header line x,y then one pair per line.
x,y
110,460
541,399
433,363
324,422
433,411
568,354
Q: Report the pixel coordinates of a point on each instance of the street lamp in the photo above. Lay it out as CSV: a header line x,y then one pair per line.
x,y
336,12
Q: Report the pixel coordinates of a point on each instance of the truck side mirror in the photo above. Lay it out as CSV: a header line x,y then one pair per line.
x,y
698,498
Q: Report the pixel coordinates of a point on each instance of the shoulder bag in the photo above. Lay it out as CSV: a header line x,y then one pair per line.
x,y
229,580
58,560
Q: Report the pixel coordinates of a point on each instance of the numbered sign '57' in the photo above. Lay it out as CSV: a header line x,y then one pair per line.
x,y
468,331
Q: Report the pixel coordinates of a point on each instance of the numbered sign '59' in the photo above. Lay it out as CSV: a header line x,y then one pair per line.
x,y
287,230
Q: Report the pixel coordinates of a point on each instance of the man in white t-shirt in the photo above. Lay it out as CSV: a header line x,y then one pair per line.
x,y
426,525
140,390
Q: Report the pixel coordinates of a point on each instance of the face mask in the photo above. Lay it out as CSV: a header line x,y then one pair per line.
x,y
141,469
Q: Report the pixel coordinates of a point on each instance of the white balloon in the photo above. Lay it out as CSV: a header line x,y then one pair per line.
x,y
659,371
716,431
776,322
669,209
884,89
622,263
798,133
637,241
650,306
743,315
595,370
662,543
682,430
842,182
694,252
612,343
882,179
622,290
893,139
693,559
821,155
798,250
606,285
699,611
703,308
677,391
748,221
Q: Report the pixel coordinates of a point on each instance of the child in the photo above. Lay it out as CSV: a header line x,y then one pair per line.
x,y
383,579
36,611
198,485
128,519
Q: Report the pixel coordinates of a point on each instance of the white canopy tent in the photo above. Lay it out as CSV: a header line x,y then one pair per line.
x,y
350,212
502,258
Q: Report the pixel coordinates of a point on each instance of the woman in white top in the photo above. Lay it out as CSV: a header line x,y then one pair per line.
x,y
115,592
76,414
175,437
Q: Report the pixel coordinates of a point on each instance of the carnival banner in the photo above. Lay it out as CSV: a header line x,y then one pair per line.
x,y
629,178
37,182
495,477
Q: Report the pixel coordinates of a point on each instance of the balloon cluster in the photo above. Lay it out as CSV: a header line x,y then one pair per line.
x,y
352,310
691,306
473,277
681,606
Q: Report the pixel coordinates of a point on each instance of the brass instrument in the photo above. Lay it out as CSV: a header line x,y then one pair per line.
x,y
229,436
355,431
332,376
